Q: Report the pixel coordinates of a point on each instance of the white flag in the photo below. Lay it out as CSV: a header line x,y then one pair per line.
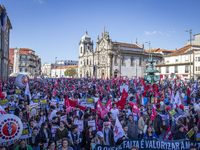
x,y
27,92
118,130
177,99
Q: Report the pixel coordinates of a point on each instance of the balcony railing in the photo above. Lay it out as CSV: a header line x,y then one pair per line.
x,y
32,66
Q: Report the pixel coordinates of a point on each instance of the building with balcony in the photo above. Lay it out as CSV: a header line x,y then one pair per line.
x,y
25,62
180,61
4,43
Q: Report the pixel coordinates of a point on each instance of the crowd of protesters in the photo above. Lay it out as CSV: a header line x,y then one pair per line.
x,y
136,122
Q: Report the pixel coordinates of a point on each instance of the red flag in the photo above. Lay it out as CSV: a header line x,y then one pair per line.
x,y
107,109
155,87
136,109
68,108
153,114
145,87
100,107
56,83
54,92
120,103
188,92
168,135
108,88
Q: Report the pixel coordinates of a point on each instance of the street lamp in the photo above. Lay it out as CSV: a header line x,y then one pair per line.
x,y
55,66
190,32
149,48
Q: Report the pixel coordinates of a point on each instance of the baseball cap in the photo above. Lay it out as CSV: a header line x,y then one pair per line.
x,y
100,133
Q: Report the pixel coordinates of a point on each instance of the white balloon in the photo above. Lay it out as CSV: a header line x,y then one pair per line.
x,y
21,81
11,129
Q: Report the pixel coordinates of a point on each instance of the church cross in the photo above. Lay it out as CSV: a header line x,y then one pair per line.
x,y
104,29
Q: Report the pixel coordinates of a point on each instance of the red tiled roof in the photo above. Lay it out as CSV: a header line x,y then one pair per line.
x,y
181,50
159,50
126,45
65,67
153,50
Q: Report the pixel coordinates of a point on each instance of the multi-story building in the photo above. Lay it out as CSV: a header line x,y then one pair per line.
x,y
161,51
46,69
5,27
112,58
25,62
179,63
59,71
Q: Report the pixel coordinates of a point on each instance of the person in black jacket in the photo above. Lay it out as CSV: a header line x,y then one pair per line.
x,y
180,134
34,140
19,108
108,134
45,134
77,112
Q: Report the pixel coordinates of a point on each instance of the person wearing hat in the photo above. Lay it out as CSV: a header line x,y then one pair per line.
x,y
98,139
180,134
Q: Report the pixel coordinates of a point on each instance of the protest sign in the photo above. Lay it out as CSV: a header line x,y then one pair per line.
x,y
80,124
150,144
174,113
43,103
190,133
36,101
53,102
25,133
198,137
4,103
53,130
63,118
12,110
33,109
89,100
152,100
186,110
45,146
92,123
90,105
18,91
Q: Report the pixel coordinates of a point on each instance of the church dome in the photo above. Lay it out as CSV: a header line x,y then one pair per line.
x,y
86,37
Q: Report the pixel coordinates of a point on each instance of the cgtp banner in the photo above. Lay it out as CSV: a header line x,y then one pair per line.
x,y
150,144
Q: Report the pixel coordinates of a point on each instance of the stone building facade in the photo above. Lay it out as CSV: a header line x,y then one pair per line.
x,y
112,58
4,43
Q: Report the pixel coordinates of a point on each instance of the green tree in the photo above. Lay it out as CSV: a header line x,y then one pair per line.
x,y
70,72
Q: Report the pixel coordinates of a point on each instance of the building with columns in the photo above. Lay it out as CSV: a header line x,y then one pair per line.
x,y
112,58
4,43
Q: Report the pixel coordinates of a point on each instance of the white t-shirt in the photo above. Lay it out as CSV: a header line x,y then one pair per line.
x,y
128,112
114,112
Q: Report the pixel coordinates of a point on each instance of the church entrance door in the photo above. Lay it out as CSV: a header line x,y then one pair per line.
x,y
115,74
102,73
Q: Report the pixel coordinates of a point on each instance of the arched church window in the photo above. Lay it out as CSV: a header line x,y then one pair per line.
x,y
132,61
123,61
140,61
116,60
81,49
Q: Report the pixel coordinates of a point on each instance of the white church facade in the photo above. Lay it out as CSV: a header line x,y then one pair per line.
x,y
112,58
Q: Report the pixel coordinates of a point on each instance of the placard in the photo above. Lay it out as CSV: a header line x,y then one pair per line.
x,y
92,123
186,110
80,124
12,110
198,137
43,103
123,87
53,130
63,118
25,133
53,102
36,101
18,91
33,109
89,100
45,146
4,103
190,133
152,100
